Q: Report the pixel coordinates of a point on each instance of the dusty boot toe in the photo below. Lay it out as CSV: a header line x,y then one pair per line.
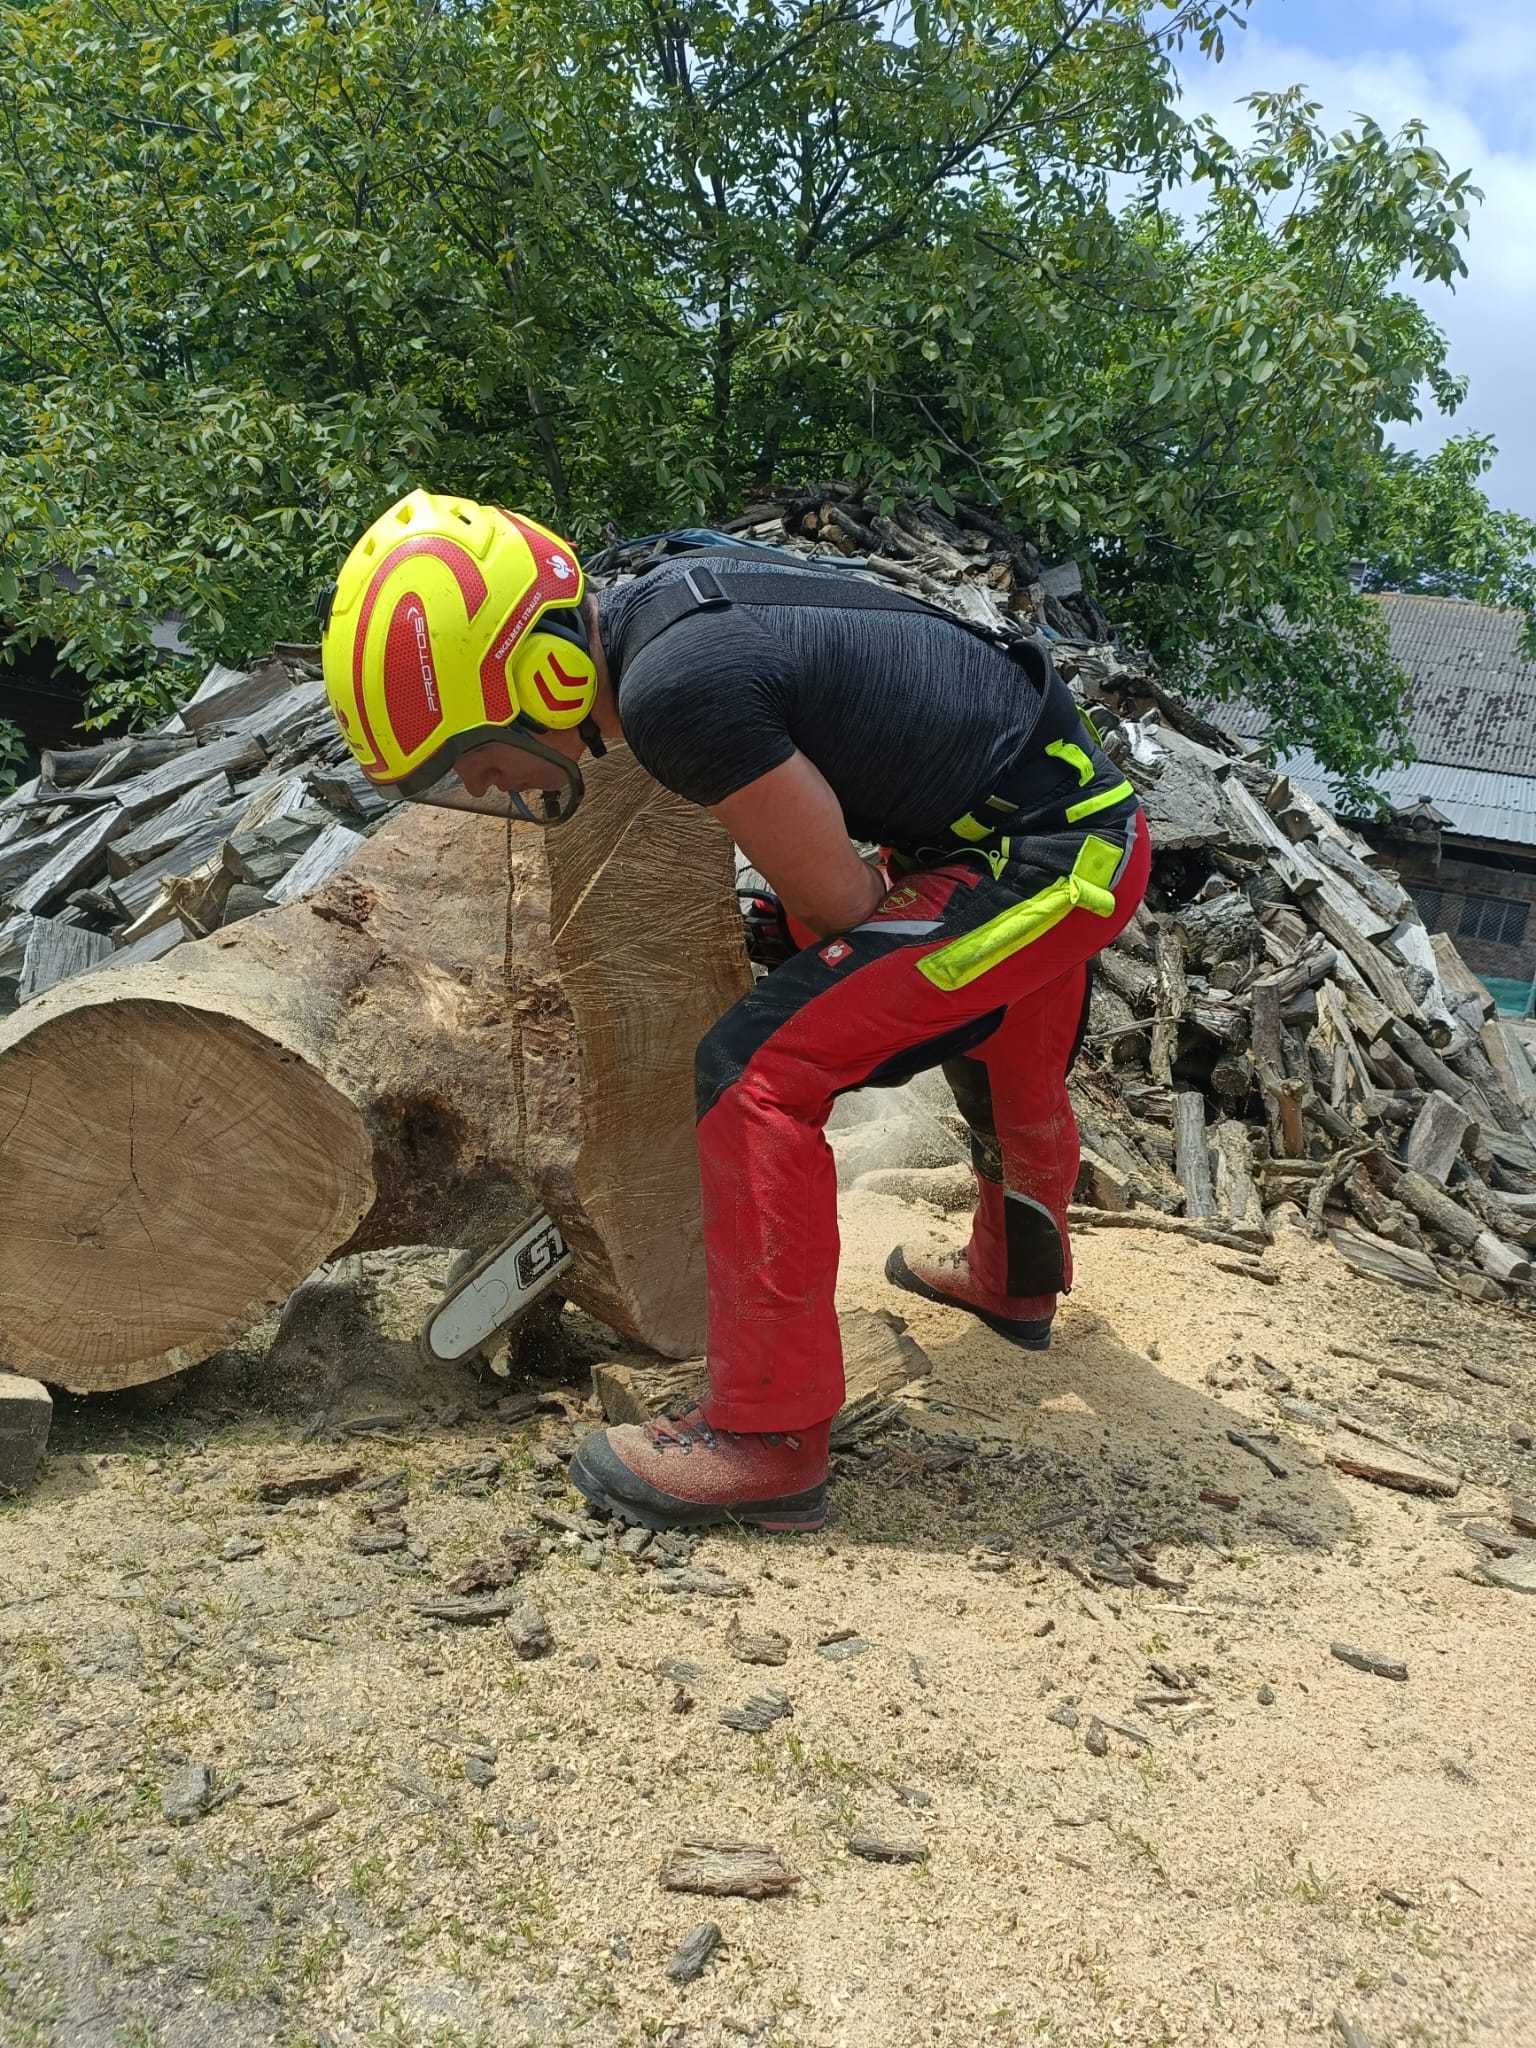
x,y
681,1473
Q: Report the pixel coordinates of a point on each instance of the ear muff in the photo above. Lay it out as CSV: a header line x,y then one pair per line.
x,y
554,678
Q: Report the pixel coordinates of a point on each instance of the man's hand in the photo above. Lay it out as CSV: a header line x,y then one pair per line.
x,y
791,828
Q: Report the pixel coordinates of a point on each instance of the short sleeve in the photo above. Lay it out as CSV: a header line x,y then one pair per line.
x,y
704,707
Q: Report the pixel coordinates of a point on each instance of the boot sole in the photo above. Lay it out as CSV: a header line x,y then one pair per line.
x,y
1028,1334
791,1514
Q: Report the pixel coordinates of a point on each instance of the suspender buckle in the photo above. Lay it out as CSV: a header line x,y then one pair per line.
x,y
704,588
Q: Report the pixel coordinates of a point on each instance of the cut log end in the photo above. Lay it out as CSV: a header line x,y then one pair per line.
x,y
168,1173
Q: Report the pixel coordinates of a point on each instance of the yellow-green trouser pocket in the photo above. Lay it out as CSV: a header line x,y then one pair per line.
x,y
967,958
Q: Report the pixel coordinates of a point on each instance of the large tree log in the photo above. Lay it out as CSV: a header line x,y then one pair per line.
x,y
182,1141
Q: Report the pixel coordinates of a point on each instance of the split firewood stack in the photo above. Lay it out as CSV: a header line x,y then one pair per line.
x,y
262,1016
1277,1027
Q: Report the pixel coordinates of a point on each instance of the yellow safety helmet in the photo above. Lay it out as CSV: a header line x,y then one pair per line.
x,y
452,624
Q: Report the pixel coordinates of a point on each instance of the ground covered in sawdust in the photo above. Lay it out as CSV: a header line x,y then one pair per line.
x,y
1278,1839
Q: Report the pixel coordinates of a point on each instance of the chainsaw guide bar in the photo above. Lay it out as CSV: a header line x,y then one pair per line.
x,y
496,1291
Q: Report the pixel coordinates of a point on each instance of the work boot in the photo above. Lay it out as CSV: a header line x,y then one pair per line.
x,y
679,1472
946,1277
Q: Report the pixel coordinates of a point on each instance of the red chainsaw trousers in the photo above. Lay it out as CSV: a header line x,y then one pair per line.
x,y
856,1012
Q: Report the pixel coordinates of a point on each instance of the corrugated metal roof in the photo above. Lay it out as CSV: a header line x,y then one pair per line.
x,y
1472,698
1473,701
1478,803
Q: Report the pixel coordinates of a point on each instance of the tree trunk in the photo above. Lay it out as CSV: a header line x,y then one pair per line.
x,y
184,1140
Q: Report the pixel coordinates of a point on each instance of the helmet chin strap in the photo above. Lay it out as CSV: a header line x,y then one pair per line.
x,y
592,739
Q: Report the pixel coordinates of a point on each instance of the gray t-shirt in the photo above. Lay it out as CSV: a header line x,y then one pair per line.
x,y
911,720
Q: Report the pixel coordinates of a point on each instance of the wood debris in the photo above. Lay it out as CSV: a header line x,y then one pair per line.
x,y
877,1849
1374,1661
758,1714
277,1487
696,1579
767,1647
1361,1459
1255,1449
470,1610
1515,1574
722,1869
694,1953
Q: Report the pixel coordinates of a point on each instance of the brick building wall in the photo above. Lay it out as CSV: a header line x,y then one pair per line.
x,y
1489,911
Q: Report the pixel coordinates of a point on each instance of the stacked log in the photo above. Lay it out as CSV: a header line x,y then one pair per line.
x,y
114,854
1277,1027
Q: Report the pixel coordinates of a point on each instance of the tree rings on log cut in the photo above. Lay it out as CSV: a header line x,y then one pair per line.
x,y
165,1172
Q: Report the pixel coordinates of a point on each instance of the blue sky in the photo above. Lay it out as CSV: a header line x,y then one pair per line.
x,y
1468,68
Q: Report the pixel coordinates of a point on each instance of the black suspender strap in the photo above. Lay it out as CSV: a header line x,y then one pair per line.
x,y
700,589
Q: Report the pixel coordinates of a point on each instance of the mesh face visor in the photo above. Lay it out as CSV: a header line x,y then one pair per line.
x,y
437,783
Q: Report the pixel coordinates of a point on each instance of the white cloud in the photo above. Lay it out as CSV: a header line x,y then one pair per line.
x,y
1490,320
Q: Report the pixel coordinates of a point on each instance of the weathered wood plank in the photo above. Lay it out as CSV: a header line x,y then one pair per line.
x,y
1368,958
1172,1002
67,767
154,945
332,850
227,694
1440,1133
146,793
81,858
1450,1220
1460,983
1374,1256
23,855
1507,1056
1237,1196
159,833
55,951
1191,1154
134,892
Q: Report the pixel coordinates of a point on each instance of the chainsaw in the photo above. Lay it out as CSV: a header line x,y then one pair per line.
x,y
479,1304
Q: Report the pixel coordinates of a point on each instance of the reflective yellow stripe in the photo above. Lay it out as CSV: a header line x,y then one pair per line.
x,y
1101,802
969,957
1070,752
1098,862
965,959
970,828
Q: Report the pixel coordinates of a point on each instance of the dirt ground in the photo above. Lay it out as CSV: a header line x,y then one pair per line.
x,y
1281,1838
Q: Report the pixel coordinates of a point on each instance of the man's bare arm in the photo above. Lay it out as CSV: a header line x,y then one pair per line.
x,y
791,827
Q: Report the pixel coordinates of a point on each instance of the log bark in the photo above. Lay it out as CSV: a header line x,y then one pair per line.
x,y
65,768
1383,1261
1172,1001
1440,1132
184,1140
1193,1158
1236,1195
1450,1221
1282,1101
